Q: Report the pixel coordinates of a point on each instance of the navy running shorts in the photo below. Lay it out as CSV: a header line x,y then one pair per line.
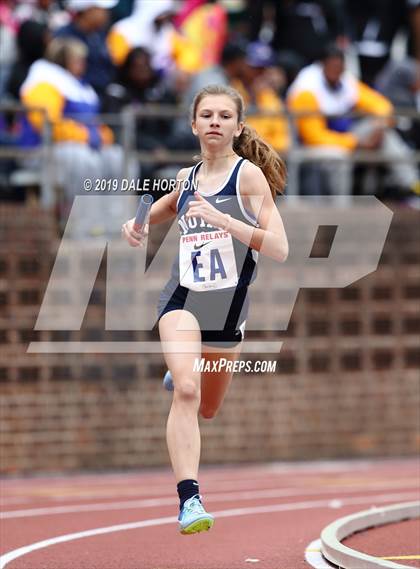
x,y
221,314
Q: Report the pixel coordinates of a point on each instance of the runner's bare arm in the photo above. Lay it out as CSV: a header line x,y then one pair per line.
x,y
270,237
165,208
162,210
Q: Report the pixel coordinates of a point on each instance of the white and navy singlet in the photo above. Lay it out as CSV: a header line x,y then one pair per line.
x,y
211,274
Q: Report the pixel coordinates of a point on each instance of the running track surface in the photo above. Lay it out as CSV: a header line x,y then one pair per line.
x,y
266,516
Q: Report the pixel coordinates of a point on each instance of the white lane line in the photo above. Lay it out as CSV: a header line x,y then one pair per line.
x,y
314,557
14,554
169,501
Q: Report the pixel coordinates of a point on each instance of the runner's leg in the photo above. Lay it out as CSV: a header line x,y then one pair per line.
x,y
182,430
214,385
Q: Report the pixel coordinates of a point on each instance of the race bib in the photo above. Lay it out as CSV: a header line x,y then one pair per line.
x,y
207,261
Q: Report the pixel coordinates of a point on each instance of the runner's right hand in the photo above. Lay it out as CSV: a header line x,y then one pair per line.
x,y
134,238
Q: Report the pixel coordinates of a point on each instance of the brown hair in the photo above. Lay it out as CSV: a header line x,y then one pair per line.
x,y
249,144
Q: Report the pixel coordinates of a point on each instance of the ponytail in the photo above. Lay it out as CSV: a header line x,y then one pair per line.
x,y
249,144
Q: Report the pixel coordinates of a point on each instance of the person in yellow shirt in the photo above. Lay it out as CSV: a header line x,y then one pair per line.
x,y
327,93
83,148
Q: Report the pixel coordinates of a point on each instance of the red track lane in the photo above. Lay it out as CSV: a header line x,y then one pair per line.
x,y
400,539
309,496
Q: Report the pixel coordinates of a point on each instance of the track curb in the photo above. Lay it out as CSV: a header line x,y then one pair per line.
x,y
348,558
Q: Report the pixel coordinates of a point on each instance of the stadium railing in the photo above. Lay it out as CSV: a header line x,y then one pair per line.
x,y
35,165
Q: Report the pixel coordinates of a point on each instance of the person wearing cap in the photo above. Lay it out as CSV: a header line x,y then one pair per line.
x,y
90,19
259,89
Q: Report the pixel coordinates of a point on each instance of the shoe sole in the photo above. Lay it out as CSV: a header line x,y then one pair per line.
x,y
198,526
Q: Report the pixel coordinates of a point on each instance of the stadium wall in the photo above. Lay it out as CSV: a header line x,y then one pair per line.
x,y
346,385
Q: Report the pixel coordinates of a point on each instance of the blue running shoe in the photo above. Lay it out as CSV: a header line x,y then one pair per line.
x,y
168,384
193,518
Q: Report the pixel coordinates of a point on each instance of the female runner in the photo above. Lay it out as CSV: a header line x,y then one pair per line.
x,y
226,215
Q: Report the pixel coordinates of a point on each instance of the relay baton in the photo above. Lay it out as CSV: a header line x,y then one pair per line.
x,y
143,212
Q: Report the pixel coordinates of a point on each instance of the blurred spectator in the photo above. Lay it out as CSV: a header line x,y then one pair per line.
x,y
32,40
8,30
374,25
329,93
291,63
134,82
90,25
149,26
399,81
138,84
232,67
83,147
260,91
47,12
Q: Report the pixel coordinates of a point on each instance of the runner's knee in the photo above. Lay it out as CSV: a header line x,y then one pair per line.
x,y
186,390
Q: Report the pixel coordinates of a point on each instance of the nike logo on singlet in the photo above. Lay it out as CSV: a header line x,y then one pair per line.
x,y
199,246
221,200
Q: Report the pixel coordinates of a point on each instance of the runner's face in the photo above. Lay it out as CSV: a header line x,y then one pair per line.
x,y
216,121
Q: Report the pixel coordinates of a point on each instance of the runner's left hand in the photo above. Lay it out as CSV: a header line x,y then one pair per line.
x,y
202,208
